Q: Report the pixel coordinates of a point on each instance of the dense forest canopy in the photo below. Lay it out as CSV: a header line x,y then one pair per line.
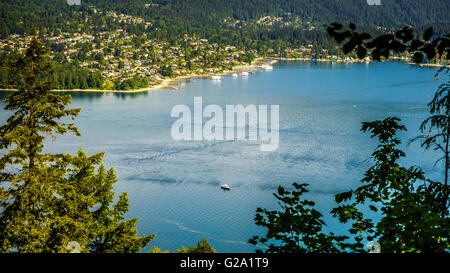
x,y
225,22
392,13
17,15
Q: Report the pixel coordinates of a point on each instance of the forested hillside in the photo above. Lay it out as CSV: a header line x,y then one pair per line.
x,y
16,16
81,36
392,13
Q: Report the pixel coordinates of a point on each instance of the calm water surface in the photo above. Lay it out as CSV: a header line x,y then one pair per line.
x,y
174,186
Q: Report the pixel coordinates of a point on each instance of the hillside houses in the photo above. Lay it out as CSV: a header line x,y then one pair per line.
x,y
116,55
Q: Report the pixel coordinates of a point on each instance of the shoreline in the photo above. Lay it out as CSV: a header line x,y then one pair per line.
x,y
254,65
170,82
405,60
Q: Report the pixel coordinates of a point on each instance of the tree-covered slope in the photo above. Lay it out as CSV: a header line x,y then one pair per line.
x,y
390,13
16,16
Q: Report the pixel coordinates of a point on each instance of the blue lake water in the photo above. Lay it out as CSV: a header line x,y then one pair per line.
x,y
174,186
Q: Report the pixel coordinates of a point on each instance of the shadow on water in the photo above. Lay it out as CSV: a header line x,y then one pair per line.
x,y
4,94
124,96
90,96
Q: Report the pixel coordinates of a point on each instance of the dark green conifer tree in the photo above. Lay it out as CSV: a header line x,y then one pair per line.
x,y
48,200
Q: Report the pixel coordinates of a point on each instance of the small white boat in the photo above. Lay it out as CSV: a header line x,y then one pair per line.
x,y
235,75
178,87
245,73
216,78
225,186
267,67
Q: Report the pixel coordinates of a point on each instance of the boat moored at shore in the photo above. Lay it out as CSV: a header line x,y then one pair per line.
x,y
267,67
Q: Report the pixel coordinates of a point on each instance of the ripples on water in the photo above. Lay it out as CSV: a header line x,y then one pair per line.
x,y
174,186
